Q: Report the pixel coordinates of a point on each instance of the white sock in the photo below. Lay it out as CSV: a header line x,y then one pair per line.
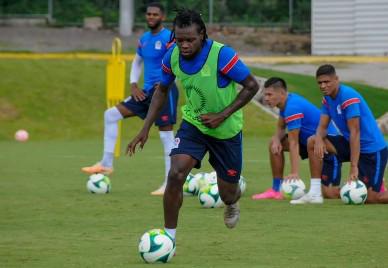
x,y
111,117
315,187
167,138
171,232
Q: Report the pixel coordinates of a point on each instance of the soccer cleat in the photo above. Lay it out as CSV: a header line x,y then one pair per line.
x,y
160,190
269,194
97,168
231,215
308,199
382,188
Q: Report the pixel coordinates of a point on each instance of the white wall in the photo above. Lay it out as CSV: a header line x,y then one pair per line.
x,y
349,27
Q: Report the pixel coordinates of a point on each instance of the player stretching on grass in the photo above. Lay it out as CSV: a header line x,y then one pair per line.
x,y
212,118
151,49
301,118
362,142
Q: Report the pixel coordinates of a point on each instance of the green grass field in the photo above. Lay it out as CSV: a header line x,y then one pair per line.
x,y
48,219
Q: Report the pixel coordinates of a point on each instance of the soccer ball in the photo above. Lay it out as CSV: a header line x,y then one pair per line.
x,y
190,187
21,135
156,245
204,179
293,189
354,192
243,184
98,184
209,196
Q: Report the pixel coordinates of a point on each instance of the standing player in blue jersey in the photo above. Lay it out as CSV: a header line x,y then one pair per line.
x,y
212,115
300,117
151,49
361,143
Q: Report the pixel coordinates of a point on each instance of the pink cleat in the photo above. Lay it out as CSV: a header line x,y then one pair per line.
x,y
382,188
269,194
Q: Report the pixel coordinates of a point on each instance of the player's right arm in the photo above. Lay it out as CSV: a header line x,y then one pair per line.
x,y
158,99
276,144
293,147
136,68
321,132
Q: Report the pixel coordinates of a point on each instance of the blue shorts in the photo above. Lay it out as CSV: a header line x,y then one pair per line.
x,y
371,166
331,170
168,113
225,155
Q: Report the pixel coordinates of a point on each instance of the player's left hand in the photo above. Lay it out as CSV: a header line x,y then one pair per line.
x,y
212,120
353,174
141,138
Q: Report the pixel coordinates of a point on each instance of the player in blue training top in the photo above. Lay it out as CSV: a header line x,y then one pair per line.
x,y
212,115
151,49
361,142
300,117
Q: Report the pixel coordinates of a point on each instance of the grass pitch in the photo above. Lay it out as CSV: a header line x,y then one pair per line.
x,y
48,219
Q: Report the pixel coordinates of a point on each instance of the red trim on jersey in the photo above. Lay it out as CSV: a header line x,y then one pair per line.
x,y
349,102
169,44
293,117
230,64
166,69
324,102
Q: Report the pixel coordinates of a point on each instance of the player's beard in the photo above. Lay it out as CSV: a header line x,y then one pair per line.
x,y
156,26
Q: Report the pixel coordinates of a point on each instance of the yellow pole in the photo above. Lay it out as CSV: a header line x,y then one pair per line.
x,y
115,84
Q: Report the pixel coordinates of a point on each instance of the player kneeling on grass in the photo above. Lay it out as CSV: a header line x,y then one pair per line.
x,y
362,142
301,119
212,115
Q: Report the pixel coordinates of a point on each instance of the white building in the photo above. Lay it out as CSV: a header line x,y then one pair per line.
x,y
349,27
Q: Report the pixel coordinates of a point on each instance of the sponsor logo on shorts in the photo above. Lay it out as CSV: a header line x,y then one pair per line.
x,y
176,142
164,118
324,177
365,180
231,172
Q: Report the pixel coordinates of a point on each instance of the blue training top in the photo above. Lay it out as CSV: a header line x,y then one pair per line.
x,y
151,48
230,67
301,114
349,104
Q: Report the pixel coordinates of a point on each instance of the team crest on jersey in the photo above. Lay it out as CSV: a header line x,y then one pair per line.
x,y
158,45
339,111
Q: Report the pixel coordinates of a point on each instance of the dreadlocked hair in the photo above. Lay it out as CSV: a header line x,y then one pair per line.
x,y
185,18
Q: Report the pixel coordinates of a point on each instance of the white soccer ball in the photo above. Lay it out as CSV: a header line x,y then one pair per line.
x,y
243,184
156,245
98,184
204,179
209,196
293,189
21,135
354,193
190,187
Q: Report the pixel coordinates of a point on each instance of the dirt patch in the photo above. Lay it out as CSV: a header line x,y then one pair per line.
x,y
245,40
7,110
259,41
